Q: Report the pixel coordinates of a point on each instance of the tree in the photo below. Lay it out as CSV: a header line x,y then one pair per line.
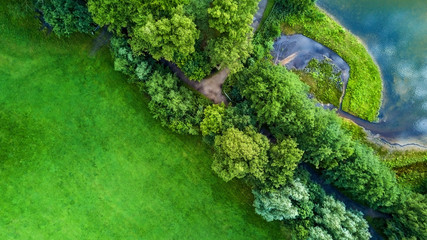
x,y
284,204
66,16
338,222
213,119
364,178
115,14
409,218
239,153
327,144
138,68
279,99
158,27
284,158
177,107
166,37
232,19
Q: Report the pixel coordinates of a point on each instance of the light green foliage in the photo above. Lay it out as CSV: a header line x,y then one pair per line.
x,y
338,222
66,16
117,14
364,90
213,119
278,97
284,204
158,27
318,233
232,20
327,144
176,106
238,153
165,37
284,158
365,178
227,16
138,68
218,118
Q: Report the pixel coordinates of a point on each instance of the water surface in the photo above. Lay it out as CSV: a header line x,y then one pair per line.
x,y
395,32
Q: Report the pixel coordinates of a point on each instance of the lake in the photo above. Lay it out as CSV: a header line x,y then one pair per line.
x,y
395,33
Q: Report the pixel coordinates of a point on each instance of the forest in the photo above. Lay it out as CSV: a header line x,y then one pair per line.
x,y
268,136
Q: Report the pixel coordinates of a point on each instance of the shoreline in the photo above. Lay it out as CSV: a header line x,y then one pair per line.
x,y
323,10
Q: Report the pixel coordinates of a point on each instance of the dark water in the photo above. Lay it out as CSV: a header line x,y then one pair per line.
x,y
395,32
305,49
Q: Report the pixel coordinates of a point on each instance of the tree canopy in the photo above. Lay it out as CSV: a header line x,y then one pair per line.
x,y
238,153
66,16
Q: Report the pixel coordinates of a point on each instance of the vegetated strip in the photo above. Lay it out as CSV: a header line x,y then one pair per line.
x,y
364,90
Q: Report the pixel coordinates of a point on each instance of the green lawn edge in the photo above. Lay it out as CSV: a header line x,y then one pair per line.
x,y
363,96
81,156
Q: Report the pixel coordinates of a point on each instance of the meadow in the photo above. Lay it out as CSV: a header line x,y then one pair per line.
x,y
82,158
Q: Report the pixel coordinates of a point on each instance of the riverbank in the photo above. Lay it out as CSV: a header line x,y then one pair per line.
x,y
364,91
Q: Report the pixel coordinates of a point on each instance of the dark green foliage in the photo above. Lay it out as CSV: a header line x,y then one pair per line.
x,y
284,158
278,97
176,106
196,66
239,153
137,68
66,16
363,177
327,144
296,6
409,218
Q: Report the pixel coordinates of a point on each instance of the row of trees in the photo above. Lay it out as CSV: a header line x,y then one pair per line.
x,y
196,36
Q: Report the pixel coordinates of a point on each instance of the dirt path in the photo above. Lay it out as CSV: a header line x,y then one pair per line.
x,y
211,87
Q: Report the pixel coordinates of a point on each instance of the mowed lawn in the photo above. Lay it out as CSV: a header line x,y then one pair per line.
x,y
82,158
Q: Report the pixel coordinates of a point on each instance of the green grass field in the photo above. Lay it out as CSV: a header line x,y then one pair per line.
x,y
82,158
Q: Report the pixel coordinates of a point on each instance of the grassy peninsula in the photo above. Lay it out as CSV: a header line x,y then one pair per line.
x,y
363,94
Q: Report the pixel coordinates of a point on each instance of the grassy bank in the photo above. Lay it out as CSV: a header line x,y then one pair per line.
x,y
363,95
82,158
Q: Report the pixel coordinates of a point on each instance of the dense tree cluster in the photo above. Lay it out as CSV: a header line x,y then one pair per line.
x,y
66,16
311,212
363,177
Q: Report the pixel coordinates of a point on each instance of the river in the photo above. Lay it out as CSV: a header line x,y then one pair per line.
x,y
395,33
